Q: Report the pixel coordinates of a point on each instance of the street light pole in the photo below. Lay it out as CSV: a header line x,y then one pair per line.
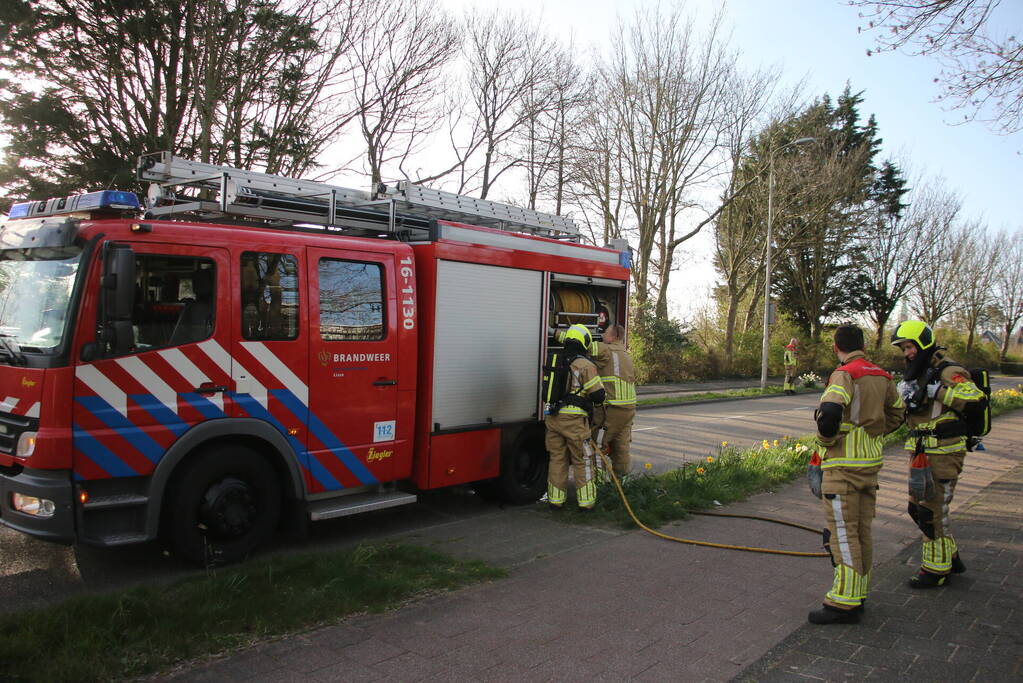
x,y
767,256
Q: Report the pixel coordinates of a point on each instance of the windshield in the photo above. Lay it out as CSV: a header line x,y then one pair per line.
x,y
35,288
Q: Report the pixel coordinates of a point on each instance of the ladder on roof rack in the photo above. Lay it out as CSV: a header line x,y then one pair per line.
x,y
226,191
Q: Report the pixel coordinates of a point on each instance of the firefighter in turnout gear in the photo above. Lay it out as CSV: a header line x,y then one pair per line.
x,y
619,379
936,391
859,406
568,437
790,365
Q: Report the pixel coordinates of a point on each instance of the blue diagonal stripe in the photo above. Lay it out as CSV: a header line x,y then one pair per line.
x,y
104,458
104,412
161,413
327,437
206,407
254,409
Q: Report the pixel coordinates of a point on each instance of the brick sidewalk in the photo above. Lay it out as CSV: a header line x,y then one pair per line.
x,y
970,630
585,603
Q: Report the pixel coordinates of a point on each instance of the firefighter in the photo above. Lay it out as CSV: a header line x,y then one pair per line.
x,y
790,365
619,379
859,406
936,391
568,425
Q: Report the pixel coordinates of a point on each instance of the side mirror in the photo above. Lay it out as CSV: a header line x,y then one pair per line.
x,y
118,297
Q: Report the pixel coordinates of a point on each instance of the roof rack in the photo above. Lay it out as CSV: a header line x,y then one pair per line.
x,y
179,186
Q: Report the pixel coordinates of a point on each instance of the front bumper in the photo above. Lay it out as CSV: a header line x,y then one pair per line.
x,y
53,485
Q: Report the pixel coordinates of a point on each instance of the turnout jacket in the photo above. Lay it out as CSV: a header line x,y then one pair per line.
x,y
617,374
956,391
871,407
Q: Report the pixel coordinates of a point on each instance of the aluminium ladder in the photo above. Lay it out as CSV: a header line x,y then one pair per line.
x,y
226,191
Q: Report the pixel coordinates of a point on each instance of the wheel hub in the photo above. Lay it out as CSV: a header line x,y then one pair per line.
x,y
228,509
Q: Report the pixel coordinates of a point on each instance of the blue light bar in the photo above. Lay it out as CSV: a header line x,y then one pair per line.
x,y
92,201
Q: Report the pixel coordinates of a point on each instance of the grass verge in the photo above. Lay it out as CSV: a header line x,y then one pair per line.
x,y
706,395
725,476
148,629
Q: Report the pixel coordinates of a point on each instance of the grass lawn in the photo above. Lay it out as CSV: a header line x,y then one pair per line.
x,y
148,629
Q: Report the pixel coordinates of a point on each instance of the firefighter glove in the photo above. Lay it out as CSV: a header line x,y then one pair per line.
x,y
906,389
932,389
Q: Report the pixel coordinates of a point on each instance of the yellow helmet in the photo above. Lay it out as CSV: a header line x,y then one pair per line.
x,y
916,331
580,334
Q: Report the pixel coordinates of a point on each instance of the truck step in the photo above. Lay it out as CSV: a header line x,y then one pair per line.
x,y
116,501
113,540
353,505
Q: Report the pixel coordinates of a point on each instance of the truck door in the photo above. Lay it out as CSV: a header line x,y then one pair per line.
x,y
129,408
353,383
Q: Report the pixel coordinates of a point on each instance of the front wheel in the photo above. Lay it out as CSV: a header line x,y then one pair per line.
x,y
225,503
523,477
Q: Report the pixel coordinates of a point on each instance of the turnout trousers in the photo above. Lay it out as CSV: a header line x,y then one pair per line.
x,y
618,436
568,443
931,515
790,375
850,498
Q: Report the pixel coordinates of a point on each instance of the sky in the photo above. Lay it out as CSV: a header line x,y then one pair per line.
x,y
818,40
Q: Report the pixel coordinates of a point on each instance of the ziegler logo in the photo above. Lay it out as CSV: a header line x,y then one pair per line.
x,y
323,357
27,383
374,454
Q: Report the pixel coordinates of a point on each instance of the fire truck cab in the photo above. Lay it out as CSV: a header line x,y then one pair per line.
x,y
248,350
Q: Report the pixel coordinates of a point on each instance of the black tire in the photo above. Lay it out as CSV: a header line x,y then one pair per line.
x,y
523,477
224,504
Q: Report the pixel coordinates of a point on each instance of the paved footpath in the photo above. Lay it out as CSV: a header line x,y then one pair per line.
x,y
586,603
970,630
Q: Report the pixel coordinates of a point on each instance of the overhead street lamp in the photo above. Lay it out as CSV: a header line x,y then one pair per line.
x,y
767,258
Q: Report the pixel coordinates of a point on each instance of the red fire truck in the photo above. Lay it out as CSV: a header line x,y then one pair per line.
x,y
247,351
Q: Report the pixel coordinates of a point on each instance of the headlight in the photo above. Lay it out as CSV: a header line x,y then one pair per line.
x,y
26,445
30,505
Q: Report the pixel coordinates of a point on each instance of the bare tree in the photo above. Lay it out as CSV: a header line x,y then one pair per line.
x,y
934,297
1007,289
974,277
400,51
598,184
664,84
979,69
509,72
267,85
555,107
893,242
739,230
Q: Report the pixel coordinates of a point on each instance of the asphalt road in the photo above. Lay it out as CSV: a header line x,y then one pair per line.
x,y
34,573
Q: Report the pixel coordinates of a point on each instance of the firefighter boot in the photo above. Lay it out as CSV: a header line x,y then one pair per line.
x,y
833,615
925,579
957,565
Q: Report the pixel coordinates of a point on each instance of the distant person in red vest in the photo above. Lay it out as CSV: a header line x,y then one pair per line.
x,y
790,364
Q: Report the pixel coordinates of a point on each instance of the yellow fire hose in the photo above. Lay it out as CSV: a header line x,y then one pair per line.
x,y
644,527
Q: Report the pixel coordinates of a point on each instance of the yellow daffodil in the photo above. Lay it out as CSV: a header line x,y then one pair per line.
x,y
700,470
724,444
710,458
766,445
776,443
647,465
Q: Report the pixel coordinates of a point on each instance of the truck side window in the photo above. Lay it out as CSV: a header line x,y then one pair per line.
x,y
175,300
269,296
351,301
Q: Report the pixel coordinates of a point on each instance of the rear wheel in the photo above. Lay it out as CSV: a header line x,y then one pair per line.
x,y
523,477
225,503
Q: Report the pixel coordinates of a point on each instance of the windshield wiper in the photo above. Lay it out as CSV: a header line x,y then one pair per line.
x,y
12,349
